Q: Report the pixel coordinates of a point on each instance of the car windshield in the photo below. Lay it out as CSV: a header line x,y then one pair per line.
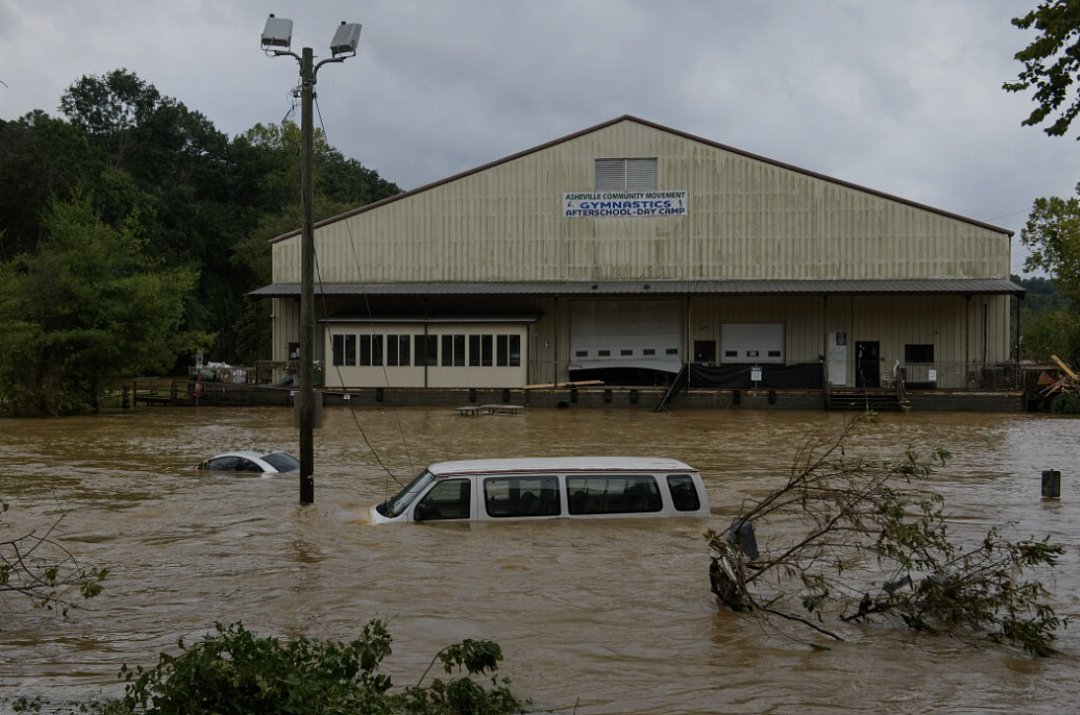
x,y
406,496
281,461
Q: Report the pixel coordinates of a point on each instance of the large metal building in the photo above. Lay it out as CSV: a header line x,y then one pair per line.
x,y
629,250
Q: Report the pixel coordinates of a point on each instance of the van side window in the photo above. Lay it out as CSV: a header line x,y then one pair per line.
x,y
449,499
683,494
613,494
521,496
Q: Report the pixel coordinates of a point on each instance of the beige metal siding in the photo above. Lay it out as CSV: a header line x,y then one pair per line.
x,y
748,219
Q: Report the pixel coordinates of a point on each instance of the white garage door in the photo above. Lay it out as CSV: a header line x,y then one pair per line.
x,y
752,342
624,333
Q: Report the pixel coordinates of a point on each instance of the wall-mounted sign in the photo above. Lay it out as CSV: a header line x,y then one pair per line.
x,y
625,204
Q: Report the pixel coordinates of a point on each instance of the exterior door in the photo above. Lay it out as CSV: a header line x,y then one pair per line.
x,y
705,351
868,363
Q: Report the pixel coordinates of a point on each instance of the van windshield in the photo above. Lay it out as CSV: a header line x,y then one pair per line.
x,y
405,497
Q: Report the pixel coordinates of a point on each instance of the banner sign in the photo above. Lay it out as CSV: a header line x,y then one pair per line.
x,y
625,204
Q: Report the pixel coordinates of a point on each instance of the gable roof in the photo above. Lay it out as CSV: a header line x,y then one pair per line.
x,y
659,127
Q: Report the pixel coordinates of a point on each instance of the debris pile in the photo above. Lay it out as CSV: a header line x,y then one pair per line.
x,y
1064,382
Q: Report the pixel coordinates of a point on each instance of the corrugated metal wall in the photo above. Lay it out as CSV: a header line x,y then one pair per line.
x,y
748,219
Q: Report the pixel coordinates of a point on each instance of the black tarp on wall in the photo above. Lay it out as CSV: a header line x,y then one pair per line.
x,y
773,377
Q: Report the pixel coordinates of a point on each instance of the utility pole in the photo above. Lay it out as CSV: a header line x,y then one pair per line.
x,y
278,33
307,281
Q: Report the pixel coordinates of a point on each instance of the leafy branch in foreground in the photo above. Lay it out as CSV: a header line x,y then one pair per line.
x,y
871,543
41,569
236,671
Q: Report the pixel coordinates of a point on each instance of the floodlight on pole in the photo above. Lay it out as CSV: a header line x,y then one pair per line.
x,y
277,34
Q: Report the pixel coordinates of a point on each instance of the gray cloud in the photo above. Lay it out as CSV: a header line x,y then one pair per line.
x,y
901,97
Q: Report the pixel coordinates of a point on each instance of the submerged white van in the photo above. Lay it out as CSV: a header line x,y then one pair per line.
x,y
548,488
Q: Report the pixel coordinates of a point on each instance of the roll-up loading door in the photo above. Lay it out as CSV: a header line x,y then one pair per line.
x,y
752,343
626,334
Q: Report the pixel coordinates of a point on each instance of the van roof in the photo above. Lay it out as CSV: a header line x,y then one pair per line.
x,y
559,464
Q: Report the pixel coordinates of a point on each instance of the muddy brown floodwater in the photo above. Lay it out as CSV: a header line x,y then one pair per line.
x,y
593,617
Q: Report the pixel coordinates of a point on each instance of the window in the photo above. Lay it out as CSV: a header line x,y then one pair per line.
x,y
453,351
450,499
371,350
626,174
223,464
508,351
337,345
397,351
613,494
918,353
344,349
515,351
522,496
683,494
474,351
427,350
486,343
281,461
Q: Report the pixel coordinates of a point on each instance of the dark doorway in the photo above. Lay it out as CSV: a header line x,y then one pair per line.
x,y
705,351
868,364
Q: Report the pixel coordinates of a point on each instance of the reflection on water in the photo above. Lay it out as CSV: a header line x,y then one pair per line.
x,y
598,617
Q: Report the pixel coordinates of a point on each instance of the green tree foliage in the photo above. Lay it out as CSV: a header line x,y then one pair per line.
x,y
208,205
1048,321
1051,63
1052,235
40,159
88,307
235,671
862,540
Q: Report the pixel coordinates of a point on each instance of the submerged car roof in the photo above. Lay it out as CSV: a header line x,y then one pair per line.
x,y
249,453
559,464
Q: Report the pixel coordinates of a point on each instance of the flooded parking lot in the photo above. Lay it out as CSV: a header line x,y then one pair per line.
x,y
594,617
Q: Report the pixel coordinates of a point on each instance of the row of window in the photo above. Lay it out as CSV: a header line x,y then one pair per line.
x,y
753,353
626,352
405,350
540,496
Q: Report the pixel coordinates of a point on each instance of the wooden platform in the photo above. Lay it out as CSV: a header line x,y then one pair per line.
x,y
499,409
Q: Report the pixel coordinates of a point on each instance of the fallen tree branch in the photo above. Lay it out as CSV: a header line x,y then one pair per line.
x,y
863,539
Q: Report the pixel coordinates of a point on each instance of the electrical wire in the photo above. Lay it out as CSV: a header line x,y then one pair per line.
x,y
370,316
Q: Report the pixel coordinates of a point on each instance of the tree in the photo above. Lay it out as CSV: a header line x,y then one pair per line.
x,y
41,159
38,567
1053,235
1051,63
236,671
89,307
871,543
207,205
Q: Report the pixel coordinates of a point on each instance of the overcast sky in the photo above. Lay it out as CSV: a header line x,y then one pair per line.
x,y
902,97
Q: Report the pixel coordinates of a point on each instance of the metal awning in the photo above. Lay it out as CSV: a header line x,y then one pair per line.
x,y
920,286
455,319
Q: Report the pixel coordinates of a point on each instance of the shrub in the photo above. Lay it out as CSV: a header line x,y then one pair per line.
x,y
235,671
